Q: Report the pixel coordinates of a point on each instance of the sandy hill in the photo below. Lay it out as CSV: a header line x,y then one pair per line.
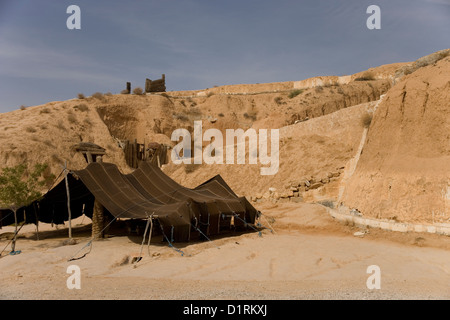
x,y
320,122
404,169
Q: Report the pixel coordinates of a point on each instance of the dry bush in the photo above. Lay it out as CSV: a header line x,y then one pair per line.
x,y
60,125
81,96
30,129
72,118
278,100
366,76
192,102
98,95
221,115
82,107
88,122
194,112
49,143
181,117
366,120
327,203
319,89
22,107
45,110
250,115
138,91
124,91
189,168
56,158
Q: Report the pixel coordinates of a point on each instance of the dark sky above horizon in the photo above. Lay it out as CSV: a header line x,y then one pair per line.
x,y
199,44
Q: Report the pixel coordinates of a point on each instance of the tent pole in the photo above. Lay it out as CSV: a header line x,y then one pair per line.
x,y
68,202
13,246
150,235
37,224
98,220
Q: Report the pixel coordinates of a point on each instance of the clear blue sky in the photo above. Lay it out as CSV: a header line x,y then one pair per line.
x,y
202,43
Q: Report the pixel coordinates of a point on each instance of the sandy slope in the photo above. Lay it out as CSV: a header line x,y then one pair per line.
x,y
309,257
405,163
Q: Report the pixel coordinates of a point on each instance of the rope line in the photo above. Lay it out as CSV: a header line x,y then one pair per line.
x,y
246,223
204,235
101,231
15,234
170,244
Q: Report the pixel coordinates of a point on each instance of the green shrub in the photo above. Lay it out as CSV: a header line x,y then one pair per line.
x,y
295,93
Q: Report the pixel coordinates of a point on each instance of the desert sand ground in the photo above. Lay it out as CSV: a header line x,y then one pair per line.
x,y
308,256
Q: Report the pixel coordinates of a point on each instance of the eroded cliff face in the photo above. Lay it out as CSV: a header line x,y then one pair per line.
x,y
404,169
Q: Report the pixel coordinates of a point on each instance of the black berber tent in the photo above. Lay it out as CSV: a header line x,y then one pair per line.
x,y
145,192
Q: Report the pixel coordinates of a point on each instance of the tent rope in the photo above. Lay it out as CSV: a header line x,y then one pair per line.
x,y
101,231
203,235
6,216
84,255
259,224
170,244
15,234
247,224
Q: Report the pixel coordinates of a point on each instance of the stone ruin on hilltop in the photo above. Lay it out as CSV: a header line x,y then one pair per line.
x,y
158,85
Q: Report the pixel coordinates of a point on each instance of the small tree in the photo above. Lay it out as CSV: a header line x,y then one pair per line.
x,y
19,187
